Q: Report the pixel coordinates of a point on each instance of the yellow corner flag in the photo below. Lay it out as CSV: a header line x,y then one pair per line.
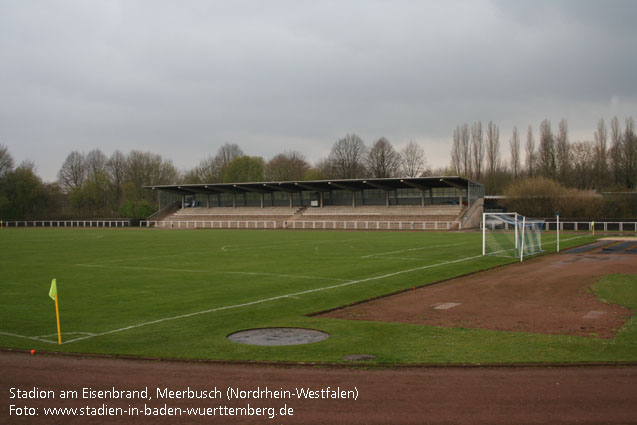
x,y
53,293
54,290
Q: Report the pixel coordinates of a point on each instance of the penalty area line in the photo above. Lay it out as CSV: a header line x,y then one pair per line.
x,y
279,297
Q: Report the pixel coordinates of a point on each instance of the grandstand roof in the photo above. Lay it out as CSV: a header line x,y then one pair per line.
x,y
318,185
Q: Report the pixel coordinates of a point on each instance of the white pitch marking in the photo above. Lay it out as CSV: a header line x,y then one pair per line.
x,y
211,271
227,248
295,294
444,306
414,249
403,258
34,338
65,333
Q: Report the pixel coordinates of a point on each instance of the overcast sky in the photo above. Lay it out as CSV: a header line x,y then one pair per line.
x,y
181,78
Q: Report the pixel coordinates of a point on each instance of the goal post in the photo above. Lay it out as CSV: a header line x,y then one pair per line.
x,y
510,235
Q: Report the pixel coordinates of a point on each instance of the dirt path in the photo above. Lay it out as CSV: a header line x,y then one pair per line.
x,y
584,395
550,294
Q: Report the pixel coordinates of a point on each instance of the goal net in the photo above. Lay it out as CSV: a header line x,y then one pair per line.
x,y
511,235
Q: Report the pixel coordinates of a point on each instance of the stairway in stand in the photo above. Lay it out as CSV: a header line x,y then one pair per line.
x,y
296,216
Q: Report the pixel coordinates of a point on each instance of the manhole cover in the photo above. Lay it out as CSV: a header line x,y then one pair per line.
x,y
278,336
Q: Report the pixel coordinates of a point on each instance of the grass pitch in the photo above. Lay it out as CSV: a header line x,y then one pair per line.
x,y
180,293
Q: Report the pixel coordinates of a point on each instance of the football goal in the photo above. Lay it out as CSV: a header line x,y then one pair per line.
x,y
511,235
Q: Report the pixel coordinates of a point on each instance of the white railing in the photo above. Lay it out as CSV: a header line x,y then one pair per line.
x,y
587,226
66,223
318,225
605,226
191,224
374,225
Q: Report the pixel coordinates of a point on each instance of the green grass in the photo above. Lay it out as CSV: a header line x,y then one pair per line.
x,y
142,292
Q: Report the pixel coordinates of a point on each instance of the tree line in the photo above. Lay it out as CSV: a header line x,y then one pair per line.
x,y
608,161
96,185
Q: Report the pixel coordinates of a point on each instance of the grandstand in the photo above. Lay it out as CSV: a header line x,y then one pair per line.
x,y
444,203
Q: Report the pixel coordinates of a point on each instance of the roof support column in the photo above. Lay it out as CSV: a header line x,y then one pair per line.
x,y
387,198
262,196
208,201
183,201
320,199
460,197
290,198
353,199
234,200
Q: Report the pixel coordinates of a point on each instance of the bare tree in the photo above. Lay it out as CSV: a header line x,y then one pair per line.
x,y
144,168
73,172
6,161
228,152
493,148
514,143
287,166
382,159
583,164
116,169
225,155
530,153
209,170
616,149
601,151
477,149
413,160
456,151
546,152
629,154
562,153
347,157
322,170
95,165
465,146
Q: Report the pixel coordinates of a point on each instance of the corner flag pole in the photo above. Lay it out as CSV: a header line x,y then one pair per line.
x,y
53,294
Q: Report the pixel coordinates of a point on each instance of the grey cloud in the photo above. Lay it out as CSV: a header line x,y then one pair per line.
x,y
182,78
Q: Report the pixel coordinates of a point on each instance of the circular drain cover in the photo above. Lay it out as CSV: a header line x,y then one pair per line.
x,y
278,336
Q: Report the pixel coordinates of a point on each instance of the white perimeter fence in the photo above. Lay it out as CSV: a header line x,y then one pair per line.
x,y
587,226
319,225
234,224
67,223
577,226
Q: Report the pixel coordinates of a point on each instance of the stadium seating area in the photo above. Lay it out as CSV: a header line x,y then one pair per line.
x,y
333,217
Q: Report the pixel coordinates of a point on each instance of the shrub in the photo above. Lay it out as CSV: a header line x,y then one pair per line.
x,y
542,197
